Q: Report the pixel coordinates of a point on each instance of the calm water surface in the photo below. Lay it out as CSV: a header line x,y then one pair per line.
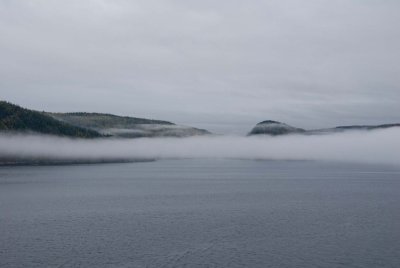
x,y
200,213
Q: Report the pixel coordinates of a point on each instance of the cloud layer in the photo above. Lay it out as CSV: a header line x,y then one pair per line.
x,y
379,146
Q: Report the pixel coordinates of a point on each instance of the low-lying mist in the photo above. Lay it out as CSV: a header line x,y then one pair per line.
x,y
379,146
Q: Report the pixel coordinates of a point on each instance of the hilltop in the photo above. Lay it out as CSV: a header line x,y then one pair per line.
x,y
274,128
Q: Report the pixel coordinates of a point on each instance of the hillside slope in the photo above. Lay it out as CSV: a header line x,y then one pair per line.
x,y
14,118
127,127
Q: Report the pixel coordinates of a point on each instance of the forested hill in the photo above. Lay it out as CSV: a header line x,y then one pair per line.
x,y
14,118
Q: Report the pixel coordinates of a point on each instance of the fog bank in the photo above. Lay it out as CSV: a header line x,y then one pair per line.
x,y
379,146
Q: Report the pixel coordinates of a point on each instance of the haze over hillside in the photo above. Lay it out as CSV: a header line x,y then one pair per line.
x,y
40,149
14,118
127,127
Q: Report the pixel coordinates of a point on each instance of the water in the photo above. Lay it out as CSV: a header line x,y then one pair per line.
x,y
200,213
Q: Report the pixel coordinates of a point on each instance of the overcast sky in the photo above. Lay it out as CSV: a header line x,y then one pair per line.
x,y
223,65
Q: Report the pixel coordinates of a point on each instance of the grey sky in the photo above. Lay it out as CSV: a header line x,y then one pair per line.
x,y
222,65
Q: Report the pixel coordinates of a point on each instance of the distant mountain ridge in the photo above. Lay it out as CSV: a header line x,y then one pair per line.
x,y
14,118
275,128
368,127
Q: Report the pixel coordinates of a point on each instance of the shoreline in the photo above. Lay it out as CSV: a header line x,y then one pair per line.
x,y
65,162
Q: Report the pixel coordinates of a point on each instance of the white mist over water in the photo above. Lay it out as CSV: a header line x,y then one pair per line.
x,y
378,146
